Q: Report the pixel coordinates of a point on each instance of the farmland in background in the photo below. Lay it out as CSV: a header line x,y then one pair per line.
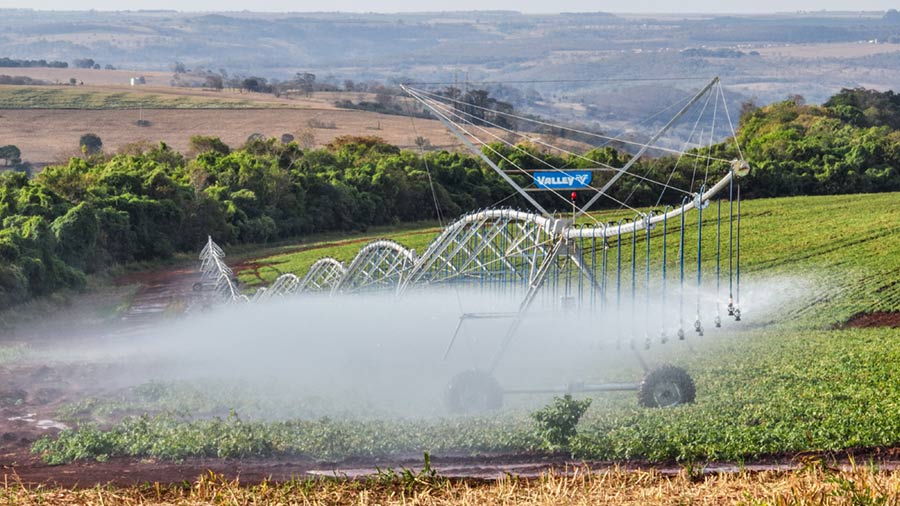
x,y
46,122
51,136
767,56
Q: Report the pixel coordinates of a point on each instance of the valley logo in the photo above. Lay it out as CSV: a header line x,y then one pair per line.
x,y
563,180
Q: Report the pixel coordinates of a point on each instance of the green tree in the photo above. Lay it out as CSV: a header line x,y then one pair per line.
x,y
10,155
90,143
203,143
76,235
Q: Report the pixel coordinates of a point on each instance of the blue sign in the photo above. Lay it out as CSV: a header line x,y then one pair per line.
x,y
563,180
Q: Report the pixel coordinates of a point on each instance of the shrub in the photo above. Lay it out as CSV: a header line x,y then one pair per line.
x,y
557,422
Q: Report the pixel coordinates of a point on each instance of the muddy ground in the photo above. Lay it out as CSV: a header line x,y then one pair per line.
x,y
873,320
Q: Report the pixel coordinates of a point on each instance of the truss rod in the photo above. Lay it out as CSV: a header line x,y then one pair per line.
x,y
644,149
459,135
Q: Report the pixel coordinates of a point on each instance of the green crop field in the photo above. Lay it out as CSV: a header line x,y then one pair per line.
x,y
844,245
791,381
264,270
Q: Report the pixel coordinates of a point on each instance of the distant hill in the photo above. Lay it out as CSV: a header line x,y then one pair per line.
x,y
574,67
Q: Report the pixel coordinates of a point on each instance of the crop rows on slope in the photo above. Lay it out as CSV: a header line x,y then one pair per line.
x,y
771,390
843,246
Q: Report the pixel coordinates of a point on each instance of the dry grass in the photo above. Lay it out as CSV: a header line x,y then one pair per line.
x,y
812,485
123,96
51,135
45,122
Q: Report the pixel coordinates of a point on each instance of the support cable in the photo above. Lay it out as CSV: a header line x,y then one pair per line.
x,y
608,138
455,113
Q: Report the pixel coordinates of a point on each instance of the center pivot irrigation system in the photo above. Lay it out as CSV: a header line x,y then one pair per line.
x,y
572,262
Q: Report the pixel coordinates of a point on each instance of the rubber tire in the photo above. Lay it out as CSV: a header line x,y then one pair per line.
x,y
472,392
666,386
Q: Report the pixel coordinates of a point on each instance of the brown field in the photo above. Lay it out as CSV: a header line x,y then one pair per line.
x,y
47,136
90,77
159,83
814,485
51,135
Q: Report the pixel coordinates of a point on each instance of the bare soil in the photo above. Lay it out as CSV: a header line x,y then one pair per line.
x,y
873,320
48,136
32,392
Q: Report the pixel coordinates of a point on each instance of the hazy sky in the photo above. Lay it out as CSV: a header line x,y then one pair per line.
x,y
756,6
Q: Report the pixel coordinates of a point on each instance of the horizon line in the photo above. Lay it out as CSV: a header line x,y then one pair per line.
x,y
456,11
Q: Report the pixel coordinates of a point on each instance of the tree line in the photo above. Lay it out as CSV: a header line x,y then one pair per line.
x,y
8,62
149,203
850,144
82,63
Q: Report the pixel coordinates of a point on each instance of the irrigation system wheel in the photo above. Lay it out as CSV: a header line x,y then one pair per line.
x,y
473,392
666,386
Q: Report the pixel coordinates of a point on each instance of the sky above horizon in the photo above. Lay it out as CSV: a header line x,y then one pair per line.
x,y
529,6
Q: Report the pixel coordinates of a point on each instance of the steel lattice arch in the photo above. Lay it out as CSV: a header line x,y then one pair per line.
x,y
611,271
506,250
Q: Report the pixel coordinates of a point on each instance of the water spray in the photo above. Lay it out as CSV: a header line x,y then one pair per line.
x,y
551,264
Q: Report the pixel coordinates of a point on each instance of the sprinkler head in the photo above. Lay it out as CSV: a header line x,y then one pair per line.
x,y
730,309
718,321
737,314
680,334
663,338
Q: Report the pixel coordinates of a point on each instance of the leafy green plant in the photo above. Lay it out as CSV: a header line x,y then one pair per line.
x,y
426,479
557,423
